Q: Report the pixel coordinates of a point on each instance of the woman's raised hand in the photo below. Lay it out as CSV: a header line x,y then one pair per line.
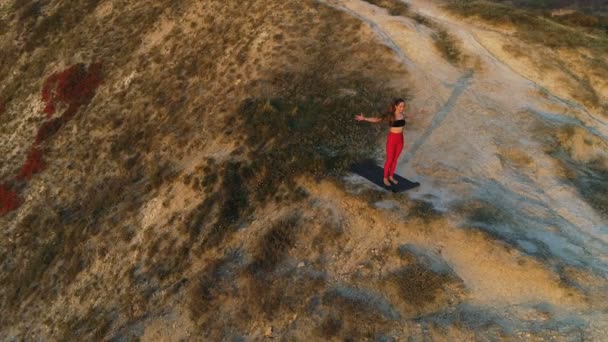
x,y
360,117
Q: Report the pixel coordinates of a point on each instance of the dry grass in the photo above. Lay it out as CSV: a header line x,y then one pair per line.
x,y
515,157
394,7
274,245
355,313
417,285
444,41
185,96
423,210
447,45
581,156
531,26
573,148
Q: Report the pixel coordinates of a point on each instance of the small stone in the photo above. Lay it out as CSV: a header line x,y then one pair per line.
x,y
300,264
268,332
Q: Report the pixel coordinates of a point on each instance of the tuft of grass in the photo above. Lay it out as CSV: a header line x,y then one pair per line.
x,y
485,214
360,303
273,295
212,283
330,327
275,244
418,285
233,200
231,204
394,7
447,45
424,210
515,157
94,325
422,20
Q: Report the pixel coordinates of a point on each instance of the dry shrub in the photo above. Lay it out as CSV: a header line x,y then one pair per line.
x,y
212,283
357,314
514,157
94,325
418,285
280,294
275,243
272,296
447,45
423,210
394,7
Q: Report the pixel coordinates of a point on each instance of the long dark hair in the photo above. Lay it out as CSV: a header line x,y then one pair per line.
x,y
390,114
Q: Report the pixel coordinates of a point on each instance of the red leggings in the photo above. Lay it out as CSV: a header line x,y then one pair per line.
x,y
394,146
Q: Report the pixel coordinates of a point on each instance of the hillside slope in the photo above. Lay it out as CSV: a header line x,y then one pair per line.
x,y
180,171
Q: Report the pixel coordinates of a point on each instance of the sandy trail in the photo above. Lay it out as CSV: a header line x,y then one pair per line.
x,y
478,115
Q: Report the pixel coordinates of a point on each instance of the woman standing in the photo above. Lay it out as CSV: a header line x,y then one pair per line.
x,y
394,144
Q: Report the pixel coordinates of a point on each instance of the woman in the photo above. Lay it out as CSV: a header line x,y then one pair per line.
x,y
394,143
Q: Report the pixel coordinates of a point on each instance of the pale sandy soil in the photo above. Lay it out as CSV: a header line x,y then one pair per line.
x,y
479,142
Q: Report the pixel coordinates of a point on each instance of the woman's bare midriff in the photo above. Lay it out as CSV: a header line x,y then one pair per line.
x,y
396,129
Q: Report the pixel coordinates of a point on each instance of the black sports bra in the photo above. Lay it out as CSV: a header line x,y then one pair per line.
x,y
398,123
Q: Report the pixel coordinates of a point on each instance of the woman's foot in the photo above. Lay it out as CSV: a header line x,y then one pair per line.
x,y
393,180
386,182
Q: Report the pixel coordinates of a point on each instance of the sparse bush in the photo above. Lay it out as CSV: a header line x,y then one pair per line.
x,y
579,19
330,327
447,45
394,7
484,214
275,244
417,284
94,325
233,204
423,210
420,19
360,303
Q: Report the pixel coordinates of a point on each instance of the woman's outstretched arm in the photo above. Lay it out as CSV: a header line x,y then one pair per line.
x,y
360,117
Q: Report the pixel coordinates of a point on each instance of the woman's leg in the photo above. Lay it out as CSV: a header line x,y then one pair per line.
x,y
398,147
390,155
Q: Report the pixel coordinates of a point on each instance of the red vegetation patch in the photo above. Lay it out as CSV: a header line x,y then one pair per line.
x,y
48,128
33,164
72,88
9,200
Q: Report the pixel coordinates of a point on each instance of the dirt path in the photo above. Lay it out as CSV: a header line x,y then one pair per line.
x,y
440,116
479,144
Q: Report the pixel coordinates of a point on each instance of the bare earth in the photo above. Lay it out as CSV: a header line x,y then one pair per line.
x,y
506,238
